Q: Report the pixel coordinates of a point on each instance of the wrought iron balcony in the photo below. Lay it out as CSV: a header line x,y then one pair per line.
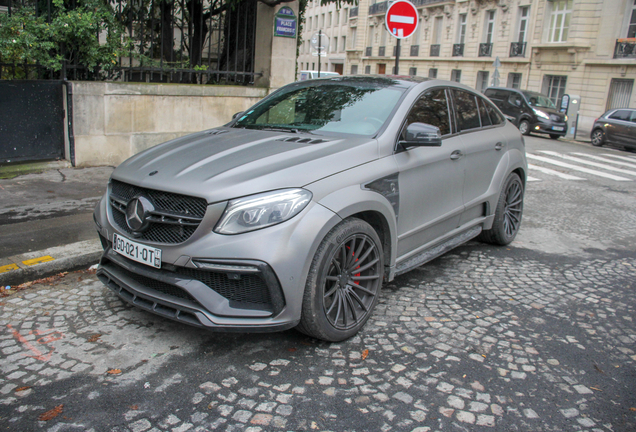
x,y
378,8
518,49
381,51
353,12
625,48
426,2
368,51
415,50
485,49
435,50
458,50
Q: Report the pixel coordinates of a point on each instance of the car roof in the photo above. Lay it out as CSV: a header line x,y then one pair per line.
x,y
403,81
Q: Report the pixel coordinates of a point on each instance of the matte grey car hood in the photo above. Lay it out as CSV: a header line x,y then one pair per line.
x,y
239,162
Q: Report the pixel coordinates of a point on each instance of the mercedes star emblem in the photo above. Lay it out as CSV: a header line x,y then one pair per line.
x,y
138,210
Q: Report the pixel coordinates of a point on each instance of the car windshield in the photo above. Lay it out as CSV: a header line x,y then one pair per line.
x,y
356,106
538,100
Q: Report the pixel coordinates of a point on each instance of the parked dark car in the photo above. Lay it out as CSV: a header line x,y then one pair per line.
x,y
532,111
297,211
616,126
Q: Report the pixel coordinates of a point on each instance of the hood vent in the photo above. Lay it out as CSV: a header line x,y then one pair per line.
x,y
304,140
216,132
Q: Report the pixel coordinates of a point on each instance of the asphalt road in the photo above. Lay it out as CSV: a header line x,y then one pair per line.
x,y
536,336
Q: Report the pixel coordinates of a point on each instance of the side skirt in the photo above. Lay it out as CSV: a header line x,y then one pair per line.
x,y
432,253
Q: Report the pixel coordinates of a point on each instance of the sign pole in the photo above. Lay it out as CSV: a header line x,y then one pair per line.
x,y
319,43
397,58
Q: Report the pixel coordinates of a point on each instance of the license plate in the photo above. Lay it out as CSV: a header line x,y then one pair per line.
x,y
136,251
558,128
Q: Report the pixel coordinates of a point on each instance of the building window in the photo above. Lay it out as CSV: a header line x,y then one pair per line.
x,y
322,21
330,19
309,23
313,66
631,30
554,87
432,73
416,36
354,69
514,80
345,18
437,30
367,69
344,43
338,17
490,27
560,20
412,71
482,81
461,33
456,75
620,93
354,35
334,47
524,15
316,21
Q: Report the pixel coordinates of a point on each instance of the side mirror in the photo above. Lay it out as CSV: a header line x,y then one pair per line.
x,y
422,135
237,114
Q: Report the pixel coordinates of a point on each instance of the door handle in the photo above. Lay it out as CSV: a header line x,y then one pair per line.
x,y
499,146
456,155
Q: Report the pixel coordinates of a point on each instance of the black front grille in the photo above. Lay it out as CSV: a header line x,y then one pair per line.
x,y
249,289
171,203
556,118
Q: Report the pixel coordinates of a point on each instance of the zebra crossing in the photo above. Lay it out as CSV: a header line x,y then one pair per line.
x,y
546,164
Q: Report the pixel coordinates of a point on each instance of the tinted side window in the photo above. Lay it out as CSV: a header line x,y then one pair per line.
x,y
514,100
466,110
431,108
633,116
495,116
483,114
620,115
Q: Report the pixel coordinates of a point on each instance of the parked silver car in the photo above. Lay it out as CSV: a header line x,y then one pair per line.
x,y
616,126
294,214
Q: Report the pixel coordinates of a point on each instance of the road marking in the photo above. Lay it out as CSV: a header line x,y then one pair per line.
x,y
39,260
586,162
554,173
532,179
629,159
576,168
8,267
602,159
50,335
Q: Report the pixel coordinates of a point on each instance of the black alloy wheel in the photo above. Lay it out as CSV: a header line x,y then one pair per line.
x,y
507,214
344,282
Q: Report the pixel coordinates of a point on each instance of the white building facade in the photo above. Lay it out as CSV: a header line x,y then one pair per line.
x,y
576,47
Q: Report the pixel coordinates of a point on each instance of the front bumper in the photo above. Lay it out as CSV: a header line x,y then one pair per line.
x,y
550,127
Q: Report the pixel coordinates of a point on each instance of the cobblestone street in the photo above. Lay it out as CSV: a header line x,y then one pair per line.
x,y
538,336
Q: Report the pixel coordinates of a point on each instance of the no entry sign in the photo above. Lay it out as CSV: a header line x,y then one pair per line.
x,y
401,19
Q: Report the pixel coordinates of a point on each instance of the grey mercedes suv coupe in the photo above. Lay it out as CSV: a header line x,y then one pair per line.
x,y
295,212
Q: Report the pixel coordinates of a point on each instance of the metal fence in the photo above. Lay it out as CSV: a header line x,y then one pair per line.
x,y
184,41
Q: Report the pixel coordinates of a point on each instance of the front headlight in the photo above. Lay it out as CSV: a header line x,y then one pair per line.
x,y
262,210
541,114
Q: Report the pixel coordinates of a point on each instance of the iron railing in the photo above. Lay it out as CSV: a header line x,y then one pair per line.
x,y
458,50
415,50
625,48
426,2
517,49
435,50
485,50
185,41
378,8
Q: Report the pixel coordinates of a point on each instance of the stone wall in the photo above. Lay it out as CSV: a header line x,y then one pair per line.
x,y
113,121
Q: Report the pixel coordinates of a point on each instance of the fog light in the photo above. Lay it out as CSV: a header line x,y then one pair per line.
x,y
225,267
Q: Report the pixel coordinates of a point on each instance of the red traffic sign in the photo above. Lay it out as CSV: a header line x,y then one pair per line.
x,y
401,19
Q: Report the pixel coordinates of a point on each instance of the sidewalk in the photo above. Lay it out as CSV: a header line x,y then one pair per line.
x,y
46,222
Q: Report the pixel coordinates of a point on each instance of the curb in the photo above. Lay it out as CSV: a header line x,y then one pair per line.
x,y
11,170
30,266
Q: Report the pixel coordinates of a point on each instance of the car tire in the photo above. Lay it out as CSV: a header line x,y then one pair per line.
x,y
598,137
554,136
524,127
507,214
337,301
